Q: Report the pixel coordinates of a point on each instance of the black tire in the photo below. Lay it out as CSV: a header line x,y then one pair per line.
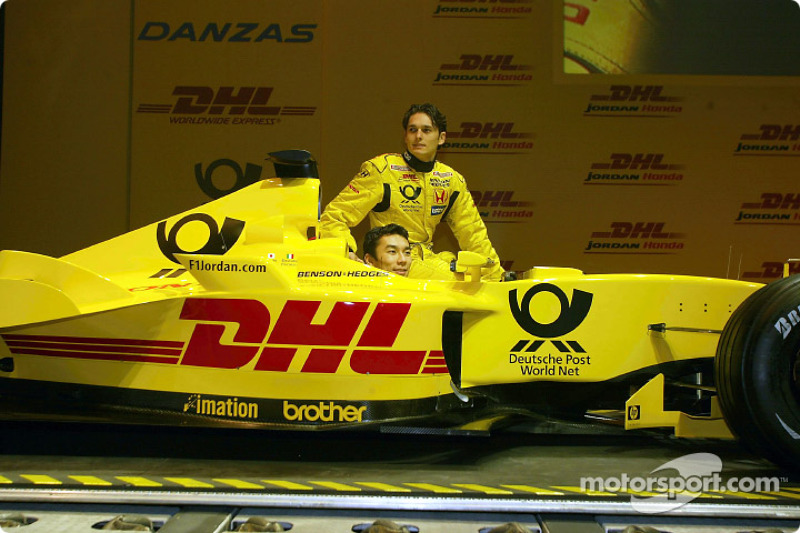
x,y
757,372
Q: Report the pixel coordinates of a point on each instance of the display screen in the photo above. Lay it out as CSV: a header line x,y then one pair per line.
x,y
701,37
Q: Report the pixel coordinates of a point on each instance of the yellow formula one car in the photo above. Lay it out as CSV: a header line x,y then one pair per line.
x,y
237,314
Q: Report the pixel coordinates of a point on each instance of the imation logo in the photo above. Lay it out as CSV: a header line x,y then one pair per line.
x,y
774,208
498,206
645,238
225,105
772,140
642,101
503,9
634,169
771,270
241,32
474,69
487,138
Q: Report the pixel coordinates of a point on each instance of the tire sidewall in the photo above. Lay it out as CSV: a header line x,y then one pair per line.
x,y
767,405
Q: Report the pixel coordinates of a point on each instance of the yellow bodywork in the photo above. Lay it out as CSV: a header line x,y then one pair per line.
x,y
241,301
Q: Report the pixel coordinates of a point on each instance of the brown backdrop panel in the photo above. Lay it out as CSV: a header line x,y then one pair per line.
x,y
216,87
121,114
63,176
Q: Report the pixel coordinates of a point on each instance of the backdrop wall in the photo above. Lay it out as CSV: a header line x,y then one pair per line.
x,y
610,136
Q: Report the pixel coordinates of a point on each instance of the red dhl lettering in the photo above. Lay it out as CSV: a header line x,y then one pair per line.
x,y
637,230
158,287
484,62
621,161
772,270
774,132
775,200
497,199
199,99
229,100
370,353
632,93
502,130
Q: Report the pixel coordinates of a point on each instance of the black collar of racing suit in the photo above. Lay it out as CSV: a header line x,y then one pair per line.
x,y
418,164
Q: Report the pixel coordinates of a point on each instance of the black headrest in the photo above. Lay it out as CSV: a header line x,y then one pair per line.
x,y
294,164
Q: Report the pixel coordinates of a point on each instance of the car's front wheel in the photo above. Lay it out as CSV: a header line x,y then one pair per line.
x,y
757,370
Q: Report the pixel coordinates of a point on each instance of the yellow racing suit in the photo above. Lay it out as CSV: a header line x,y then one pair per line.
x,y
416,195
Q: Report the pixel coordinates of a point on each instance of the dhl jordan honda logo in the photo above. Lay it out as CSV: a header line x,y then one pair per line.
x,y
295,329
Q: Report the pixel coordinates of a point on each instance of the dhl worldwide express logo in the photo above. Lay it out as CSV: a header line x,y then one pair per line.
x,y
635,101
476,70
231,32
770,270
548,353
487,138
776,140
499,206
634,169
643,238
773,208
503,9
223,106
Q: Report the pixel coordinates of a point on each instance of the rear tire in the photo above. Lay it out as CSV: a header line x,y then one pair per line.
x,y
757,371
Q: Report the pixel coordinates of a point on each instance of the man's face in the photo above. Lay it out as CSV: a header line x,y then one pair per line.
x,y
422,137
392,254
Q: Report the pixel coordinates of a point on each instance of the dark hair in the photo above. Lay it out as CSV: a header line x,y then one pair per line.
x,y
437,117
374,235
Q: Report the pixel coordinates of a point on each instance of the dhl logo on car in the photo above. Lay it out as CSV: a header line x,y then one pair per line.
x,y
370,352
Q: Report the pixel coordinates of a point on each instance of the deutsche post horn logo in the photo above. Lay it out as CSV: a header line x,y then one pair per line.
x,y
410,193
570,317
219,240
